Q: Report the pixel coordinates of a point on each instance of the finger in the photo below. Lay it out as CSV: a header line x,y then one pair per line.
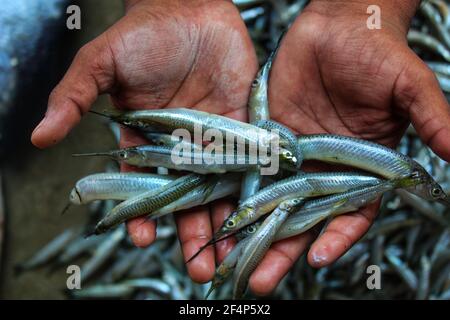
x,y
91,73
221,209
277,262
340,234
418,93
194,230
141,230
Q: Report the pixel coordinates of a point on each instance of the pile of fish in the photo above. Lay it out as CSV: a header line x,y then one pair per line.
x,y
430,37
409,242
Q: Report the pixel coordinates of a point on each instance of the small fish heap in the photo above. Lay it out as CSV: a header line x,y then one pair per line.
x,y
409,242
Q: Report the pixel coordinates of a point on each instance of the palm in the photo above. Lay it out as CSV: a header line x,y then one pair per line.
x,y
341,82
198,63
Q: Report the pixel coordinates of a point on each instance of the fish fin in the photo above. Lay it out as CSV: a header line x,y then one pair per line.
x,y
340,203
406,182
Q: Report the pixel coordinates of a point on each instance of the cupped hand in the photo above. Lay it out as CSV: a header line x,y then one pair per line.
x,y
161,54
334,75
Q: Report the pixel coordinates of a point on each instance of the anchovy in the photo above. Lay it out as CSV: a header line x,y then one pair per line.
x,y
168,120
372,157
198,161
48,252
302,185
227,185
429,43
115,186
147,202
258,245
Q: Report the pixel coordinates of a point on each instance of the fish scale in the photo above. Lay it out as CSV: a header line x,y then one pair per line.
x,y
189,119
115,186
149,201
302,185
357,153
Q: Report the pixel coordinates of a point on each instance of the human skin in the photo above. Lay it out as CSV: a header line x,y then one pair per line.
x,y
334,75
161,54
331,75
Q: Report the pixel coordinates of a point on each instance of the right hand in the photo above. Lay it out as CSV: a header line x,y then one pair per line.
x,y
161,54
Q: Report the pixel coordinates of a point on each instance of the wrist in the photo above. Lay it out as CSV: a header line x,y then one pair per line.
x,y
396,13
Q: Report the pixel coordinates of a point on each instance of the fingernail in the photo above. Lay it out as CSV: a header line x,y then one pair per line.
x,y
319,257
39,126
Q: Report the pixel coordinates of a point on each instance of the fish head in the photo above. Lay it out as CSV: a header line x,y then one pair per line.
x,y
288,157
291,204
248,231
75,197
237,220
426,187
257,81
130,155
100,228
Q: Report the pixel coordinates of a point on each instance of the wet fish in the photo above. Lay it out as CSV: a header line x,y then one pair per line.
x,y
372,157
147,202
303,185
258,245
115,186
48,252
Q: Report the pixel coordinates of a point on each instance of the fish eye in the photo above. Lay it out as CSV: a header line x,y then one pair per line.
x,y
122,155
251,229
230,224
436,192
255,82
288,154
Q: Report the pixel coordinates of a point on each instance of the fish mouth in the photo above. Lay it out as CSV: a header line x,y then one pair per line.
x,y
444,201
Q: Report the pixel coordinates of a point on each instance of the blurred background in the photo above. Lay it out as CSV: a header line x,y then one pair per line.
x,y
410,240
36,183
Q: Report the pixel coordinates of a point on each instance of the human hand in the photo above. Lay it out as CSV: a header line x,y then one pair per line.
x,y
334,75
162,54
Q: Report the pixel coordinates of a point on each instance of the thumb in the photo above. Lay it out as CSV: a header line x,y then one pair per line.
x,y
91,73
417,92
